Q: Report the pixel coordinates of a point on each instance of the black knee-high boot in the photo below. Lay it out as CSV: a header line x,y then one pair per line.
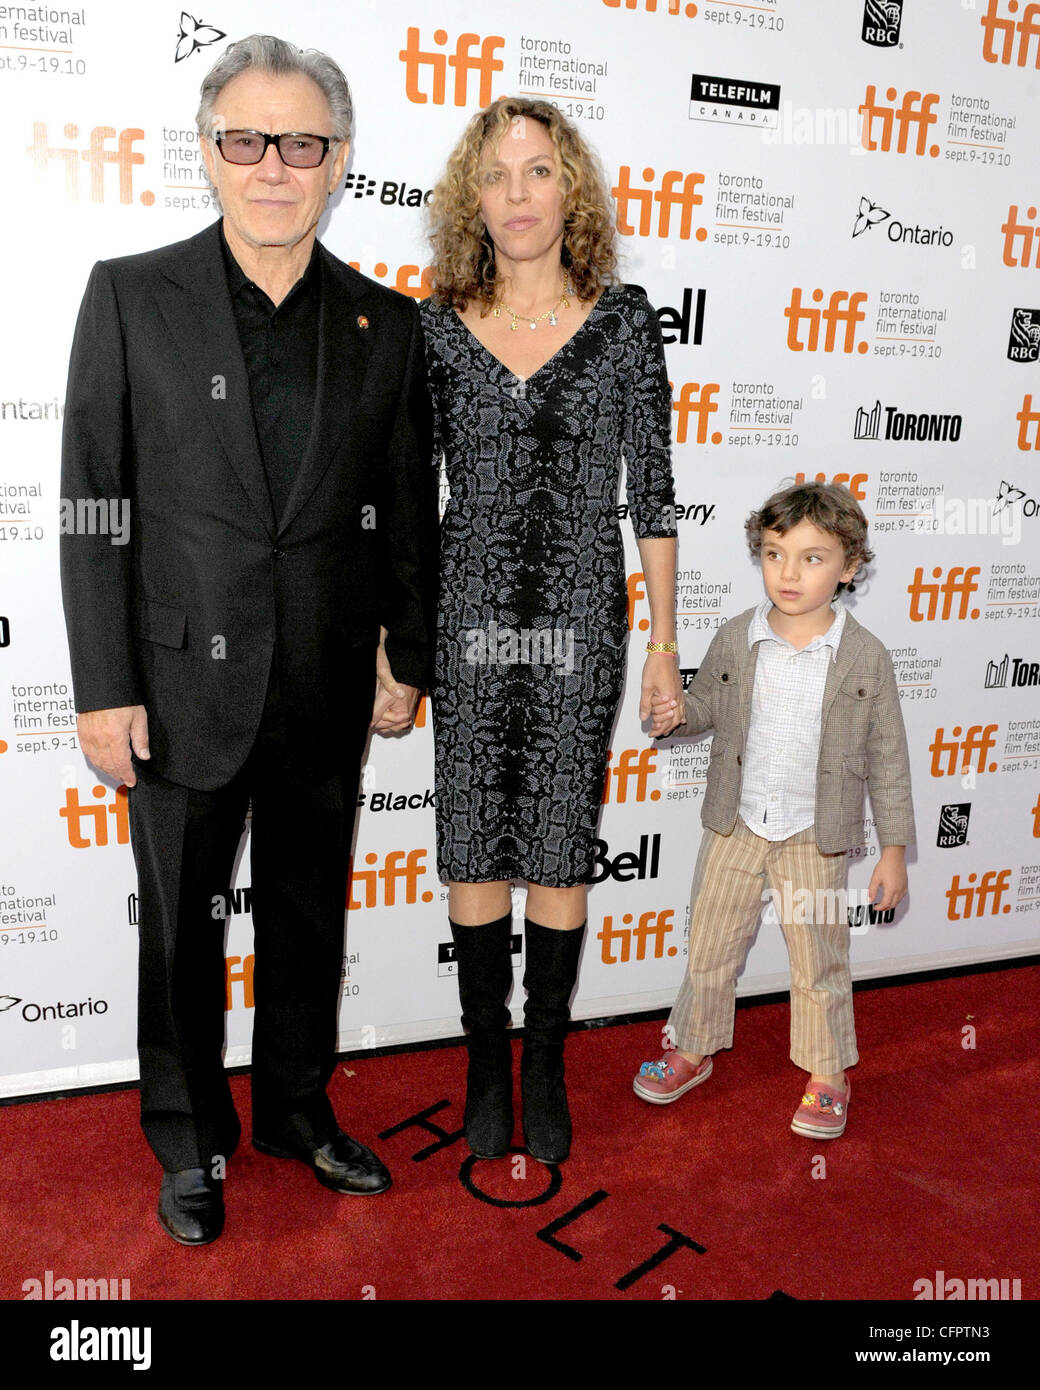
x,y
485,974
552,968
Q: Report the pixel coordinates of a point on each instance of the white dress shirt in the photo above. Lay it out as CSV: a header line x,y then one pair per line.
x,y
778,791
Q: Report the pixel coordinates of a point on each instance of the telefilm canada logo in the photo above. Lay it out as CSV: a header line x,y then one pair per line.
x,y
953,825
392,192
734,101
1024,342
881,21
889,422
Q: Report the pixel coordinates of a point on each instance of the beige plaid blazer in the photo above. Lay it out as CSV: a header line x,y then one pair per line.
x,y
862,739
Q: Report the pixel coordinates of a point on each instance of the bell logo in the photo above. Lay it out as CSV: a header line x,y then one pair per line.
x,y
1027,28
462,62
842,308
242,975
411,280
368,880
965,754
78,817
853,481
96,156
974,899
959,583
668,196
652,923
916,109
632,763
1015,231
695,399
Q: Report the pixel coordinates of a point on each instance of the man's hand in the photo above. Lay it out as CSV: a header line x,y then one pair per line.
x,y
394,706
107,735
890,877
662,694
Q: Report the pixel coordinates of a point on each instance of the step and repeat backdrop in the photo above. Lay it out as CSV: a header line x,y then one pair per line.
x,y
833,208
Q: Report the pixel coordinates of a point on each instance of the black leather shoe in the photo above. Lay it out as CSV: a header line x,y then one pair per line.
x,y
343,1165
191,1206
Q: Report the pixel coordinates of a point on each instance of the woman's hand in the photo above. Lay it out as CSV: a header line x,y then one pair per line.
x,y
662,694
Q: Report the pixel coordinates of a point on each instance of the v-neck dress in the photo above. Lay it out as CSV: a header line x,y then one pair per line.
x,y
533,613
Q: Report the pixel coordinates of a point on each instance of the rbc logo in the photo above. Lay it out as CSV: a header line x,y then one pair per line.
x,y
462,62
881,21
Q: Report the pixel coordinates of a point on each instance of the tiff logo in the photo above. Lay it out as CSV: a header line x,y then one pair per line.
x,y
462,62
76,817
959,583
974,899
967,754
916,109
1027,28
668,196
842,308
1014,230
671,6
853,481
695,399
651,924
96,156
1028,426
637,765
397,865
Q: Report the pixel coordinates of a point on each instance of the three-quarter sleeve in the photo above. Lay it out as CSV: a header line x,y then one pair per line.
x,y
647,435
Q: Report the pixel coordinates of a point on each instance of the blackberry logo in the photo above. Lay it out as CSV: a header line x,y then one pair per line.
x,y
1024,343
359,185
881,21
953,825
391,192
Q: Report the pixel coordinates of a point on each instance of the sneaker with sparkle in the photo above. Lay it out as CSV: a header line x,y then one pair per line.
x,y
666,1080
822,1112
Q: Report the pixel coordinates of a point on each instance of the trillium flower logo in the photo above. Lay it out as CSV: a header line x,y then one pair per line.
x,y
7,1001
869,214
194,34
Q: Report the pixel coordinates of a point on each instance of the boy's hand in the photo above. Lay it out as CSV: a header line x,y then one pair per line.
x,y
662,694
889,877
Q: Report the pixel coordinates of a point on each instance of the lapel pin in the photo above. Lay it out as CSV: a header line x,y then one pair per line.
x,y
362,321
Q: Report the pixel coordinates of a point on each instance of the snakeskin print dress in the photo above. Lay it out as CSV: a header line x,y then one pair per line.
x,y
533,613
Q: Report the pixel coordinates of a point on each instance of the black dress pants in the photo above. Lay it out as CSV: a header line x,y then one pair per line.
x,y
185,844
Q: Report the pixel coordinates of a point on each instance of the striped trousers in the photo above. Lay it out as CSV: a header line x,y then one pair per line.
x,y
735,875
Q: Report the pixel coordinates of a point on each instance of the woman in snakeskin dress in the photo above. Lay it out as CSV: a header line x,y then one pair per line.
x,y
544,372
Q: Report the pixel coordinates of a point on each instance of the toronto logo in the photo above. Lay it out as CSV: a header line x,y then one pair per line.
x,y
194,35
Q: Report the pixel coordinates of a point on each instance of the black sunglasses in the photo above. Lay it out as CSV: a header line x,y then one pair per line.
x,y
295,149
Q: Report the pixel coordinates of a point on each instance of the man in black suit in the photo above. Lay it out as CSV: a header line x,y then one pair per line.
x,y
263,407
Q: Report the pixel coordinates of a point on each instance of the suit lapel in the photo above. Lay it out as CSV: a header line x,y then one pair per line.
x,y
195,303
844,660
344,348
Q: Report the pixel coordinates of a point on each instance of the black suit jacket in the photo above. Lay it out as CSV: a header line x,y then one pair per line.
x,y
186,616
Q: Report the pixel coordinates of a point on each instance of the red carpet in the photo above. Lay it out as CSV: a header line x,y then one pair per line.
x,y
712,1198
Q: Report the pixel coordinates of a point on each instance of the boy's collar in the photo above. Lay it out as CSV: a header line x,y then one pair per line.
x,y
759,629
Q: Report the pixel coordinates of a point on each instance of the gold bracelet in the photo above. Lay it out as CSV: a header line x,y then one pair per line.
x,y
672,647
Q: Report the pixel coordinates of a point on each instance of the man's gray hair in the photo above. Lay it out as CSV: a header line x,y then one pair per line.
x,y
265,53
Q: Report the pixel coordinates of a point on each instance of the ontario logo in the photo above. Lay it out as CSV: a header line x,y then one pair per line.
x,y
881,21
193,35
870,215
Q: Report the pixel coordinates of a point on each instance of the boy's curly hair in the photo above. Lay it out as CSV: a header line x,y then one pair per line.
x,y
829,506
463,254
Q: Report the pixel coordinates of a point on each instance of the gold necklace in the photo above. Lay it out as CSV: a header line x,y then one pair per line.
x,y
562,303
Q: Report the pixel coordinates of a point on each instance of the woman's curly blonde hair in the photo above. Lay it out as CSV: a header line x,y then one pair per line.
x,y
463,253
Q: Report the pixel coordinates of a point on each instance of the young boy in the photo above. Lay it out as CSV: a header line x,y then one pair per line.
x,y
805,709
